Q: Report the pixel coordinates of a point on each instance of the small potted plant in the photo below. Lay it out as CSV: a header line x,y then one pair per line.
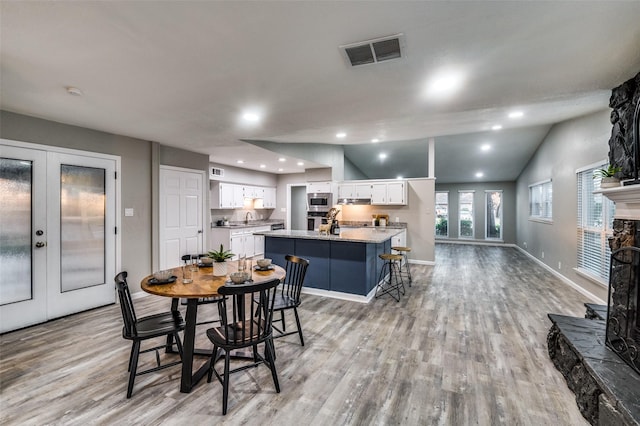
x,y
608,179
219,260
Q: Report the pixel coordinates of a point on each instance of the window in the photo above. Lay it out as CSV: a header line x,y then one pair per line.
x,y
540,201
465,214
493,215
442,214
595,223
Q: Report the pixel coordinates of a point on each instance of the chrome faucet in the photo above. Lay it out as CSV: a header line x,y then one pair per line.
x,y
246,218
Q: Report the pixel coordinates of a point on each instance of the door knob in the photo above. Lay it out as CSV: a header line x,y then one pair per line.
x,y
40,244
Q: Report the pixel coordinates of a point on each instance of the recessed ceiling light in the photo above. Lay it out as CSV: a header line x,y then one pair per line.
x,y
516,114
399,177
485,147
375,140
263,166
282,159
240,161
496,127
280,169
382,155
251,117
300,163
341,135
74,91
444,84
479,174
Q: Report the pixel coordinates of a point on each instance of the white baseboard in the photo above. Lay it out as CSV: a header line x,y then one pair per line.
x,y
422,262
476,242
564,279
339,295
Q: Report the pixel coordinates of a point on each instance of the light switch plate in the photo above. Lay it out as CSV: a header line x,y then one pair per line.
x,y
128,212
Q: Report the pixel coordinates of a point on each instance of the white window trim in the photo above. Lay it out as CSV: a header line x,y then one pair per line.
x,y
473,222
541,219
448,215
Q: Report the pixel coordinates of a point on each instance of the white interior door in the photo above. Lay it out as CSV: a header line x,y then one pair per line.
x,y
57,234
181,214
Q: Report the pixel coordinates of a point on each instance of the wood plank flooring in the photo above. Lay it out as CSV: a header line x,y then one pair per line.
x,y
465,346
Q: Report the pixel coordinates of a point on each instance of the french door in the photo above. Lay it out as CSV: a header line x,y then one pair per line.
x,y
57,234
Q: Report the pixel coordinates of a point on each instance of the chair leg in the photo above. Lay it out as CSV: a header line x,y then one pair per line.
x,y
269,353
133,362
179,344
295,311
214,355
284,326
225,383
131,356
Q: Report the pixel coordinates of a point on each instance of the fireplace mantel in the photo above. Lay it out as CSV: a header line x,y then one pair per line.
x,y
627,199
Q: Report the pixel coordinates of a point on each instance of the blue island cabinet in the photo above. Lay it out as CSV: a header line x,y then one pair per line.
x,y
341,266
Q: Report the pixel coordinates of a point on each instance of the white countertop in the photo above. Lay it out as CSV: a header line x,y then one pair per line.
x,y
359,235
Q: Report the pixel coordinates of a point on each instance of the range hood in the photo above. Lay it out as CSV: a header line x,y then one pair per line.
x,y
354,201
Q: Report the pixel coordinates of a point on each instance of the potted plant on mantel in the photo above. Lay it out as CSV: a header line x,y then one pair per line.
x,y
608,176
219,261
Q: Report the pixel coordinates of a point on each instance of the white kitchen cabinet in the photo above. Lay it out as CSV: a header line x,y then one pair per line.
x,y
379,193
269,198
346,190
397,193
240,240
258,241
318,187
222,196
399,240
363,190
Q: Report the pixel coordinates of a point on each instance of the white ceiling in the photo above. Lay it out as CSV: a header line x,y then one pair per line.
x,y
182,72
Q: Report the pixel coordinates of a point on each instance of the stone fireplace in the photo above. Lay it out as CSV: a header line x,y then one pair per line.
x,y
623,318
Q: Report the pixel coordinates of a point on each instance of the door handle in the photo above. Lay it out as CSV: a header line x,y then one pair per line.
x,y
199,231
40,244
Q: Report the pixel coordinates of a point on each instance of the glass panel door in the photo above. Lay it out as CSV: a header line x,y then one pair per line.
x,y
22,237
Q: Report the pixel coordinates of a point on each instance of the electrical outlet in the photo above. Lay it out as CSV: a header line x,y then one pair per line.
x,y
543,255
559,265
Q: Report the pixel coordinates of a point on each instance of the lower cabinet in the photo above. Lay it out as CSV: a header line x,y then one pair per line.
x,y
240,241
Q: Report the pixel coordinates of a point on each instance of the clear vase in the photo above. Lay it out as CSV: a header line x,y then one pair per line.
x,y
219,269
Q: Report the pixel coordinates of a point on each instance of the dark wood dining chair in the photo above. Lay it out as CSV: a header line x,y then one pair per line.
x,y
249,312
149,327
288,295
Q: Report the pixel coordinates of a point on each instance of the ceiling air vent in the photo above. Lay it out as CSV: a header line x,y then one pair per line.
x,y
216,173
373,51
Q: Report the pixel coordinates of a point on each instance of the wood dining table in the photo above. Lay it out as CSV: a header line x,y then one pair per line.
x,y
204,284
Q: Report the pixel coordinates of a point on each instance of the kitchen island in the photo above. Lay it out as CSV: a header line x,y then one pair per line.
x,y
345,265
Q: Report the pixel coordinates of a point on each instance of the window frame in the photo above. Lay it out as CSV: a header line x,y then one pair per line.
x,y
472,214
584,256
487,192
448,217
544,189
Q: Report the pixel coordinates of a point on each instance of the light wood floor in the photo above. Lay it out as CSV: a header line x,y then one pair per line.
x,y
465,346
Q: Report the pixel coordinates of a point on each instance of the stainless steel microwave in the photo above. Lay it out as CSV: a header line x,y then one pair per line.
x,y
319,201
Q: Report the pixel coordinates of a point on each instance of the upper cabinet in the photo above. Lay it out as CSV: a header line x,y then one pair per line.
x,y
397,193
380,192
232,196
319,187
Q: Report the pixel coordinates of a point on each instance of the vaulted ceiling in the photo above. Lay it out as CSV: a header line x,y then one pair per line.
x,y
183,73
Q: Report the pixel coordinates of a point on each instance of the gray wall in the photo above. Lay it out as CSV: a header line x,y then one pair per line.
x,y
245,176
138,186
351,172
508,211
568,146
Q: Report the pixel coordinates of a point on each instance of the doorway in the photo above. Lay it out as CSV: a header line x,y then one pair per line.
x,y
298,207
58,236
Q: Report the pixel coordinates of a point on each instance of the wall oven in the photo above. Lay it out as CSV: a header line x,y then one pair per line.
x,y
315,219
319,201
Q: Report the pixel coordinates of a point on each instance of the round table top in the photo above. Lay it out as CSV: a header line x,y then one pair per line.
x,y
205,284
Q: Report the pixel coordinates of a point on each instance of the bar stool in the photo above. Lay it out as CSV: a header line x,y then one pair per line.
x,y
405,261
390,278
